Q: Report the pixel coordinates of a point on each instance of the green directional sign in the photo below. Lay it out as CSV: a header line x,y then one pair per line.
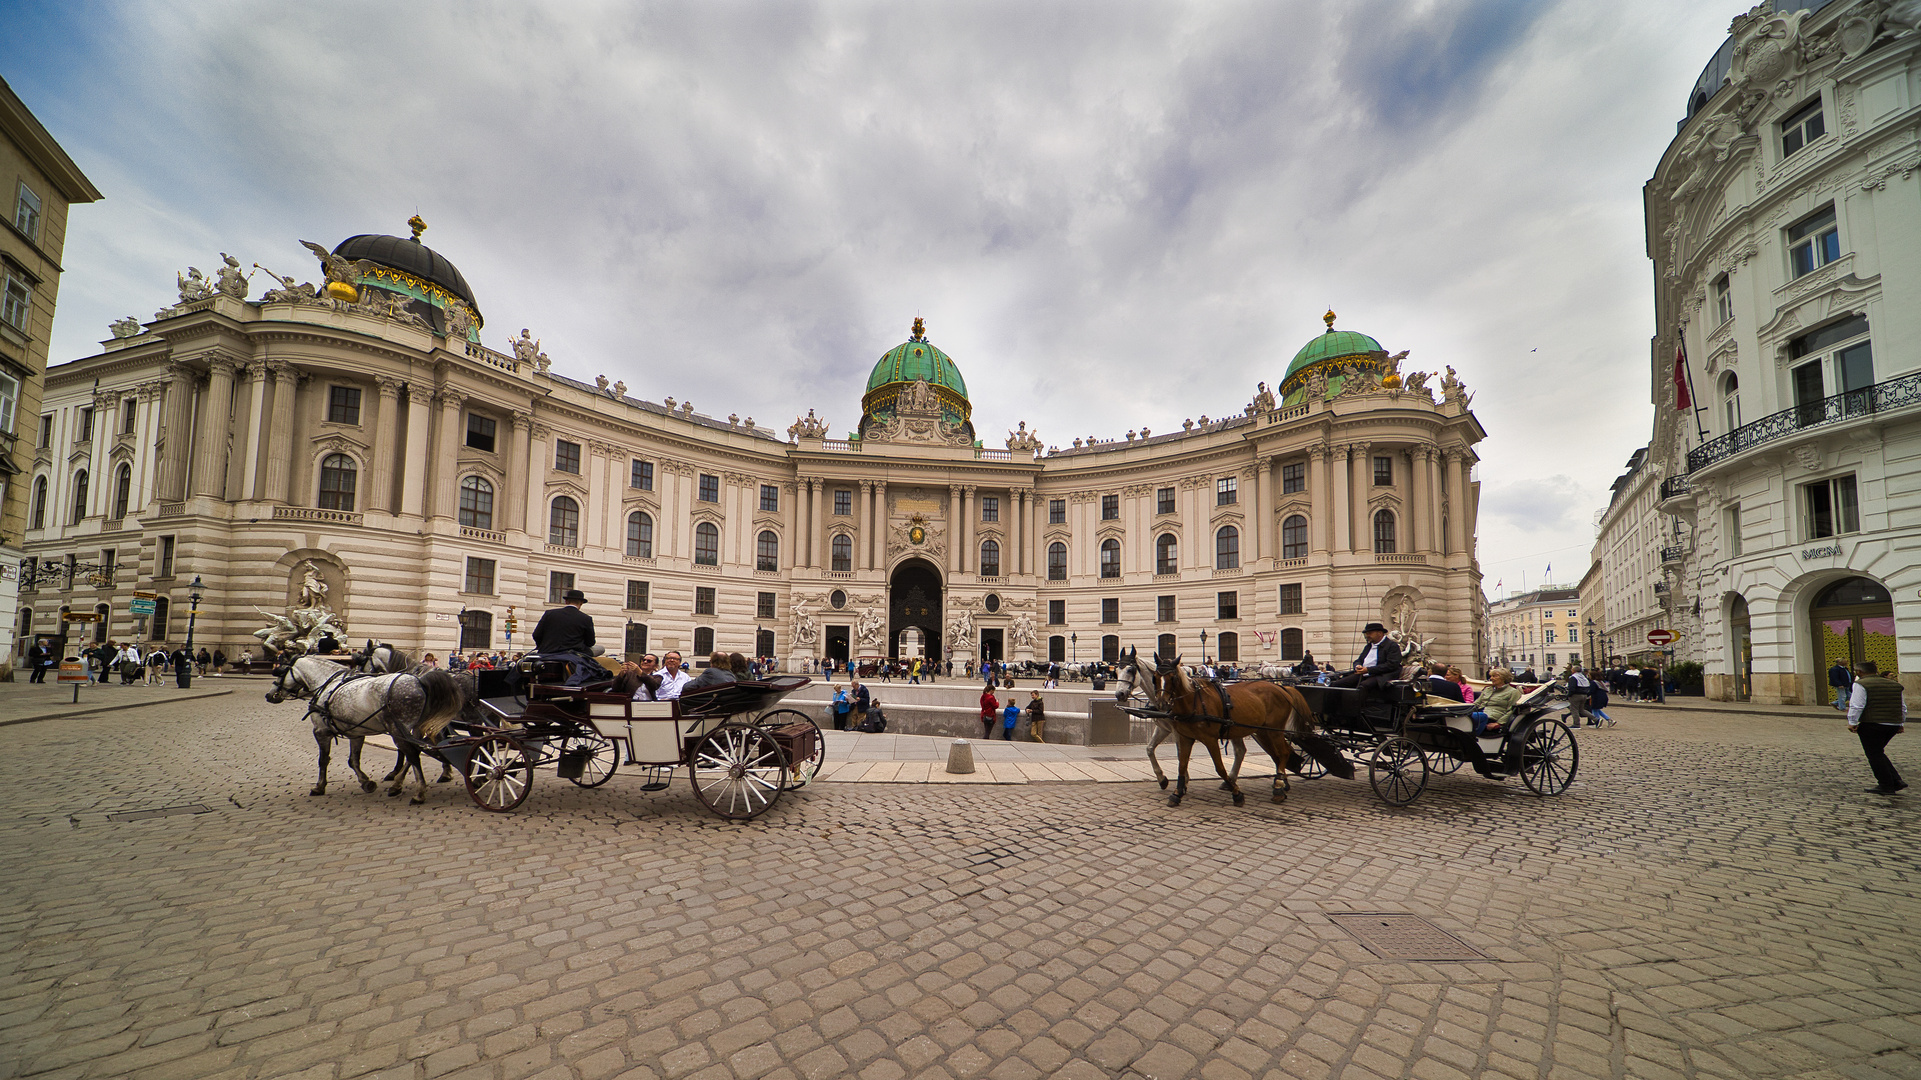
x,y
140,607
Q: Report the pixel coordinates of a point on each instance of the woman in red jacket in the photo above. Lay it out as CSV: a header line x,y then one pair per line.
x,y
990,709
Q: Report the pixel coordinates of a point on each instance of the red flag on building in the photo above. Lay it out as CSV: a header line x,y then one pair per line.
x,y
1682,399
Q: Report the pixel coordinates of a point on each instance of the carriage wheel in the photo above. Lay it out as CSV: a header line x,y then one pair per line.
x,y
1310,769
1444,764
600,767
738,771
804,770
1549,757
499,774
1397,771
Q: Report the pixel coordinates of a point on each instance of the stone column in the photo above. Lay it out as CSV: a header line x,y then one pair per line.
x,y
446,448
970,559
878,560
1360,483
1018,557
515,501
815,526
955,519
1340,478
1455,475
279,443
179,436
1421,497
413,483
1263,517
1435,485
865,556
1320,533
385,429
246,485
208,478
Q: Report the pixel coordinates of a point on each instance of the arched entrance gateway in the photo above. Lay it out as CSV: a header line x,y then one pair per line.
x,y
914,601
1854,621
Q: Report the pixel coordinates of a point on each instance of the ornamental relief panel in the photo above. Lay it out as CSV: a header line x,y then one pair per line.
x,y
574,488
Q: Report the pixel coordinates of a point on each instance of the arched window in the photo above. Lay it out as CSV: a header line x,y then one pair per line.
x,y
640,535
563,522
100,624
704,639
122,490
1056,649
79,497
476,629
1167,554
1384,532
476,503
706,553
38,520
1230,647
1164,646
1110,558
763,643
1227,548
1057,561
338,475
1731,400
636,641
990,558
1111,648
1292,644
767,551
157,626
1294,537
843,553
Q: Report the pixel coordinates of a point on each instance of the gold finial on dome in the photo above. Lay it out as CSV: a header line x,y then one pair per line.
x,y
920,329
417,225
1329,320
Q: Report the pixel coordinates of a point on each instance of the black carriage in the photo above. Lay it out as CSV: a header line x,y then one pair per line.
x,y
1403,739
741,752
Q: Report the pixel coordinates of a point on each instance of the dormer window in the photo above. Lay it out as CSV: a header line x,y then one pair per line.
x,y
1802,128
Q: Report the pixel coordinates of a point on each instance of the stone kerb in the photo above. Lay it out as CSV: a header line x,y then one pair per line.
x,y
953,710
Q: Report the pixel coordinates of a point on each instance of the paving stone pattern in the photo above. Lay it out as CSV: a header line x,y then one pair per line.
x,y
1713,898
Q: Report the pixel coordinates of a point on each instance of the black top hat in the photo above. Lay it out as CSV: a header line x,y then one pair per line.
x,y
1373,626
574,596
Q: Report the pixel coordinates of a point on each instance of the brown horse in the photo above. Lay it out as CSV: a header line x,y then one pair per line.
x,y
1207,714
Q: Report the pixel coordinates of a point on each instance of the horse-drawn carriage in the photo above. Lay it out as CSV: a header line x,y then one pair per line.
x,y
495,727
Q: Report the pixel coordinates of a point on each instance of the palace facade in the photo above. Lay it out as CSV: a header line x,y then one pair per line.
x,y
357,441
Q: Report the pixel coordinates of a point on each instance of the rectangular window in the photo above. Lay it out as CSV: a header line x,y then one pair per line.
x,y
843,503
1057,511
343,405
16,302
1164,501
558,585
1802,128
26,213
1110,609
1057,613
1573,635
9,401
764,605
1110,507
129,413
1734,531
480,577
703,601
86,424
46,431
1547,636
770,498
567,456
480,432
1831,508
1226,491
1227,605
990,508
1723,299
1291,599
163,560
637,595
1163,609
1293,478
709,488
1814,243
642,476
1383,472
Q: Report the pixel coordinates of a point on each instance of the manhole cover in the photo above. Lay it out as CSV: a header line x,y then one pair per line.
x,y
162,811
1405,937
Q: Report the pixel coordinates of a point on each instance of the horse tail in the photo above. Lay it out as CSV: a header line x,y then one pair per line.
x,y
1315,745
440,702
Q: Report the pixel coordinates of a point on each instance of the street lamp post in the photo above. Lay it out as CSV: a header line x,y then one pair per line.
x,y
1074,640
183,671
1203,648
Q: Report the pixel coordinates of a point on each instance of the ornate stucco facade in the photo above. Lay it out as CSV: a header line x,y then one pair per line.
x,y
1633,545
359,431
1784,222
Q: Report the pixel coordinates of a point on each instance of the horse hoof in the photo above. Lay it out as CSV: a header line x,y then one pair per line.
x,y
417,800
1163,785
1239,798
1280,797
445,778
394,794
320,790
1173,800
367,786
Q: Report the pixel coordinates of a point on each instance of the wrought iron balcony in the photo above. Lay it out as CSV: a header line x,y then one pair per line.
x,y
1660,588
1849,405
1674,487
1672,554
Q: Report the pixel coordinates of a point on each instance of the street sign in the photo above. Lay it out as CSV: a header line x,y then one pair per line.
x,y
1660,637
81,616
139,606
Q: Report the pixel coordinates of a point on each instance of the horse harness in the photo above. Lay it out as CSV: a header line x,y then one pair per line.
x,y
320,702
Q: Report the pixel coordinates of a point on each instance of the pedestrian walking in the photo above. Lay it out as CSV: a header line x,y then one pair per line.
x,y
1842,682
39,658
1036,717
1877,712
1579,686
156,665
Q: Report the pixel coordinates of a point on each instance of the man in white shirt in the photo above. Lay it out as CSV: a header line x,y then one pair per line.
x,y
672,679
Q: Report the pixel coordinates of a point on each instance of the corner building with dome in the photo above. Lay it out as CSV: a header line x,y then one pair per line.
x,y
358,431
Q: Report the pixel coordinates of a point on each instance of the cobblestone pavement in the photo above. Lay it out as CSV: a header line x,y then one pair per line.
x,y
1715,897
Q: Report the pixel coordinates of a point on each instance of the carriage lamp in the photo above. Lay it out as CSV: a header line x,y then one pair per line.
x,y
183,674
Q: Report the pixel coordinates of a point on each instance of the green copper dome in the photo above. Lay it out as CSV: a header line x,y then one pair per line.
x,y
1331,346
1332,353
913,360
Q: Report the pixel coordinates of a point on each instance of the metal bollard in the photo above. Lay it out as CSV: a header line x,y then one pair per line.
x,y
960,757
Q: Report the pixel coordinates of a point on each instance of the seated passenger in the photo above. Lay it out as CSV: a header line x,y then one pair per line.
x,y
1438,685
1497,704
718,673
1455,676
638,680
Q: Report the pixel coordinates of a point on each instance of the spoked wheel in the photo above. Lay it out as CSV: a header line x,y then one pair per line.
x,y
1307,768
1549,757
600,766
801,771
499,774
1397,771
739,770
1445,763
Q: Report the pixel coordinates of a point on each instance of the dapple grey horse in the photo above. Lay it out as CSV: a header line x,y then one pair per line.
x,y
407,707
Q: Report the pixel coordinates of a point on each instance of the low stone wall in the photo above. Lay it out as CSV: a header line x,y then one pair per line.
x,y
1077,717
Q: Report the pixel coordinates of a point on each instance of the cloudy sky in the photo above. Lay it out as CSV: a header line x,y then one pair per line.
x,y
1112,215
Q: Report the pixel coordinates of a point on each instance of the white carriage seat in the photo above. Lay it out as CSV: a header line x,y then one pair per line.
x,y
651,731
